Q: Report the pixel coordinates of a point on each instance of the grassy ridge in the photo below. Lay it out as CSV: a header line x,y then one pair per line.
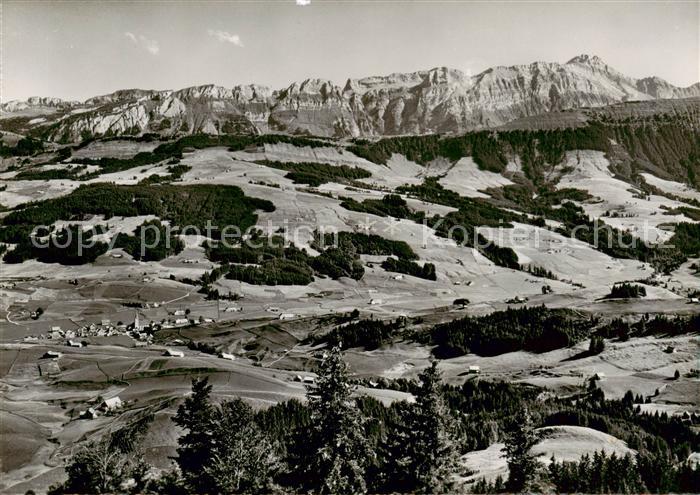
x,y
165,151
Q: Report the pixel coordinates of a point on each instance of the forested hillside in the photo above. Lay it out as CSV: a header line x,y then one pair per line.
x,y
665,145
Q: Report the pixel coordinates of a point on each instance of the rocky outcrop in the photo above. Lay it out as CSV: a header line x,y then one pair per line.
x,y
47,104
440,100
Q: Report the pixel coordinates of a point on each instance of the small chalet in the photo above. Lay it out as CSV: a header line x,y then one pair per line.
x,y
111,404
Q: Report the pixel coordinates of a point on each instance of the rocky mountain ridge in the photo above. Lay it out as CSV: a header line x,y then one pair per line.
x,y
440,100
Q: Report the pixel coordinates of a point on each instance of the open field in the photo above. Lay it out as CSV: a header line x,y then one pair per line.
x,y
565,443
639,365
266,327
143,378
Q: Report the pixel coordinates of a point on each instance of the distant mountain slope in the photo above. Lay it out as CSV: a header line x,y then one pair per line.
x,y
685,111
439,100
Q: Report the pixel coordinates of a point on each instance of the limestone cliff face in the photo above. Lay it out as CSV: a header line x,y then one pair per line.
x,y
36,103
440,100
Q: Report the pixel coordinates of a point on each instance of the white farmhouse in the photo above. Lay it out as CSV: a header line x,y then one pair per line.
x,y
111,403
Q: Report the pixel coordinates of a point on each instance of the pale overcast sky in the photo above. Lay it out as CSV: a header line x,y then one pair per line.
x,y
75,50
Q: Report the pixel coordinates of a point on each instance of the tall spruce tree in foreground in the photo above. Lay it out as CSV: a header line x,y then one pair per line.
x,y
194,451
522,463
418,453
341,453
242,459
397,452
223,450
436,455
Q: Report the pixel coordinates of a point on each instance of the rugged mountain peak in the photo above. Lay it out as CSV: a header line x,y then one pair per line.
x,y
587,59
313,87
46,101
310,86
659,88
440,99
379,83
122,95
445,75
37,103
206,91
253,92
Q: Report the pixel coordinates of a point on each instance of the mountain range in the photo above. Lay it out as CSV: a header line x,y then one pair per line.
x,y
440,100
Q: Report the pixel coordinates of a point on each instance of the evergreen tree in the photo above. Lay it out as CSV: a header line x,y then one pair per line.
x,y
98,468
498,485
110,464
242,459
341,453
418,453
435,453
602,474
656,469
522,463
397,452
194,451
596,345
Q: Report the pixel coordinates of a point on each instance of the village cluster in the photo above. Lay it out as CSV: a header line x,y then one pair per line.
x,y
142,332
